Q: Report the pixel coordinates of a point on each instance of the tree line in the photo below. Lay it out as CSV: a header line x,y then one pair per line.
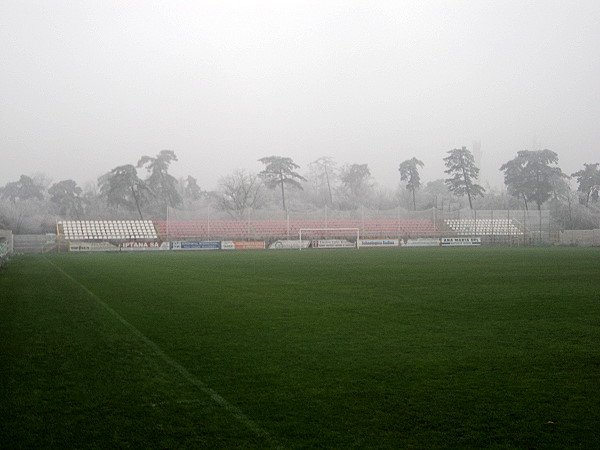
x,y
531,178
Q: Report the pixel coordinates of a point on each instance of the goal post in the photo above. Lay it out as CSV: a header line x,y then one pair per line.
x,y
329,234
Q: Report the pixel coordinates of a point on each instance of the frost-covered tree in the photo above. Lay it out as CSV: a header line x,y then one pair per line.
x,y
464,174
588,180
239,193
24,189
159,181
121,187
281,171
66,196
325,171
533,175
409,172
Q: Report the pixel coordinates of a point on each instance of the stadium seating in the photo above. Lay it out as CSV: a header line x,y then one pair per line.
x,y
82,230
264,229
483,227
106,230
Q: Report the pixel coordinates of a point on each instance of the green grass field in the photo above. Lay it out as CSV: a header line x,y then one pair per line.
x,y
376,348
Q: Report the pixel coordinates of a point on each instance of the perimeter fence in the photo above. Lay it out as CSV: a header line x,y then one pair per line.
x,y
532,227
6,245
580,238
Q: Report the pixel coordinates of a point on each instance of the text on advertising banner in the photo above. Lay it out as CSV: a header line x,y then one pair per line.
x,y
461,241
144,246
201,245
378,242
249,245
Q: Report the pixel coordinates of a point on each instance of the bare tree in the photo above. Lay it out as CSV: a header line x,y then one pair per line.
x,y
437,193
325,171
356,178
239,193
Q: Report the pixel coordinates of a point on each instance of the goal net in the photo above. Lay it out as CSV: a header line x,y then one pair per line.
x,y
330,237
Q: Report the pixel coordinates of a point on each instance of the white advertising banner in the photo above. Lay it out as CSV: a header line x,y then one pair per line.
x,y
461,242
92,247
421,242
227,245
144,246
378,242
332,243
289,244
202,245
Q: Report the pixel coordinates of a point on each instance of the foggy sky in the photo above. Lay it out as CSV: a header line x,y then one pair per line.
x,y
86,86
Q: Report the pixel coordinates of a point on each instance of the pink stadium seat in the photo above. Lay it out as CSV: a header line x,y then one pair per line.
x,y
260,229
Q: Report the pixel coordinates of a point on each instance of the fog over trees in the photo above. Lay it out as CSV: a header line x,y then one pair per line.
x,y
534,175
463,174
167,107
409,172
588,180
161,183
281,171
239,193
87,87
147,190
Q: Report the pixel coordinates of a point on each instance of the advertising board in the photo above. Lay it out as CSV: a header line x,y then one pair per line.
x,y
421,242
249,245
289,244
242,245
92,247
200,245
227,245
378,242
144,246
332,243
461,242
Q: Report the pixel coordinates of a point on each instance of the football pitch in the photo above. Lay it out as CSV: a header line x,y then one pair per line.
x,y
375,348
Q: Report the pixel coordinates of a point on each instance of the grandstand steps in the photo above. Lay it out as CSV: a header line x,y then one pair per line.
x,y
278,229
522,228
443,228
85,230
484,227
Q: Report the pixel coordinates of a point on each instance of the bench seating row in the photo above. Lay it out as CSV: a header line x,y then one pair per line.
x,y
484,227
108,229
203,229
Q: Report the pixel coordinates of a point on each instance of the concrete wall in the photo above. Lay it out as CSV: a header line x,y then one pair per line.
x,y
581,238
33,243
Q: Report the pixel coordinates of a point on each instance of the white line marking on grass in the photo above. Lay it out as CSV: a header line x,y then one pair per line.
x,y
173,402
211,393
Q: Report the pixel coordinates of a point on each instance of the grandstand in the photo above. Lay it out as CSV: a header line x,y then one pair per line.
x,y
496,230
106,230
277,229
483,227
